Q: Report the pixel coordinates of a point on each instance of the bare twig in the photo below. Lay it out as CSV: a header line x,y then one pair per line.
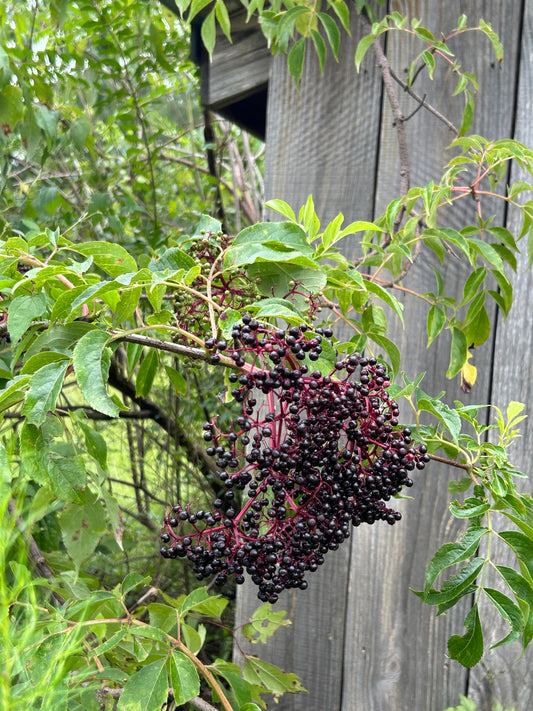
x,y
422,101
399,118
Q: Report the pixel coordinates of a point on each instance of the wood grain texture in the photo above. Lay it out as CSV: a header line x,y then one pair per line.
x,y
360,639
238,68
503,677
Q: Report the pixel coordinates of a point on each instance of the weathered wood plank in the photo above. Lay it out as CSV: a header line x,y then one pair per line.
x,y
503,677
238,68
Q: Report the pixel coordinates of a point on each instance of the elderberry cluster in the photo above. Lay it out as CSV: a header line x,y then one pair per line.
x,y
314,454
229,291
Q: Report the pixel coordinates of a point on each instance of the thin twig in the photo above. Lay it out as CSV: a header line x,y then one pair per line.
x,y
423,102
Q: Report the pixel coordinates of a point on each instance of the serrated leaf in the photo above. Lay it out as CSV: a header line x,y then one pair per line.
x,y
91,365
271,677
184,678
332,32
385,296
112,258
362,48
390,348
132,580
451,553
44,388
295,60
269,241
21,312
146,373
176,378
522,545
471,508
509,611
458,353
468,649
282,208
320,47
208,32
82,526
264,623
448,417
455,584
146,689
435,322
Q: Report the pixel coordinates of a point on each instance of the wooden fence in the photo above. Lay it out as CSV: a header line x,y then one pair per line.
x,y
360,640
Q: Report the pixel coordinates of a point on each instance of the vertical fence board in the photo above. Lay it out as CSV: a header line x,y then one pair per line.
x,y
502,676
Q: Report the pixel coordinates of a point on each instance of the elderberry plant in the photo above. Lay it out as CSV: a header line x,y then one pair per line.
x,y
314,453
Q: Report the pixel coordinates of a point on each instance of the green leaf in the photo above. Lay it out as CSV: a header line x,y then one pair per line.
x,y
509,611
282,208
66,474
332,32
468,650
95,443
458,353
183,678
494,39
133,580
45,386
342,11
429,61
455,584
390,348
448,417
273,679
91,365
458,487
112,258
471,508
468,114
385,296
362,48
129,300
176,378
522,546
269,241
487,251
196,7
201,601
208,32
295,59
82,526
435,323
173,260
223,18
146,689
279,279
320,47
146,373
278,308
451,553
264,623
21,312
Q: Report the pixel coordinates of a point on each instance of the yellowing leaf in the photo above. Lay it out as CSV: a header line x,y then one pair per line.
x,y
468,374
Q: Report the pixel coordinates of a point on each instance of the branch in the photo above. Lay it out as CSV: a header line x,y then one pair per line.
x,y
399,118
35,554
423,102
